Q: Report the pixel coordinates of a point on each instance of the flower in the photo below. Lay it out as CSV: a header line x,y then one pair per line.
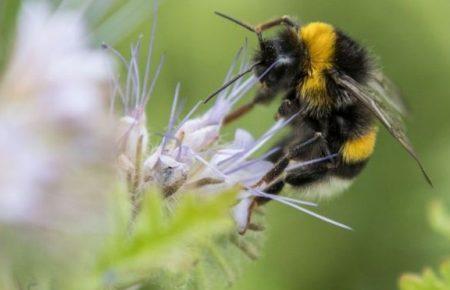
x,y
55,145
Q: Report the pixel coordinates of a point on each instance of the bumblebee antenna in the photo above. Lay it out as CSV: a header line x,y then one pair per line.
x,y
230,82
238,22
242,24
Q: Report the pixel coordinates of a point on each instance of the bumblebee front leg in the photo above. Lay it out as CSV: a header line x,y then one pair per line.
x,y
286,20
307,175
239,112
264,96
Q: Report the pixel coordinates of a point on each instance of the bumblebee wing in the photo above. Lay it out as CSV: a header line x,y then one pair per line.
x,y
389,92
388,115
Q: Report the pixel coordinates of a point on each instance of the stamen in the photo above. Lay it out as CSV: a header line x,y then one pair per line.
x,y
230,72
313,161
245,89
135,66
311,213
188,116
260,142
155,78
244,62
128,82
116,53
240,91
115,79
172,115
266,137
150,47
247,164
208,164
229,83
288,199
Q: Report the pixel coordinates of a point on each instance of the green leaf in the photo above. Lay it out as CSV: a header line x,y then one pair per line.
x,y
224,258
428,280
166,238
8,15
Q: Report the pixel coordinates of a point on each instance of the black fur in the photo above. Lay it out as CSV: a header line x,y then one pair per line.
x,y
351,58
284,46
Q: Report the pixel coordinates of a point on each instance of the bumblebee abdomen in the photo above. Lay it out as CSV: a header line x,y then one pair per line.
x,y
359,149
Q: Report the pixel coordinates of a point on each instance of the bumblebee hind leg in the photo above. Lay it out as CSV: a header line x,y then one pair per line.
x,y
307,175
275,188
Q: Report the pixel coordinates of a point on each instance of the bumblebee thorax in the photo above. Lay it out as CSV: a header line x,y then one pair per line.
x,y
318,40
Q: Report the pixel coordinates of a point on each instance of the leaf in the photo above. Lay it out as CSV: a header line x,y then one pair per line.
x,y
166,238
428,280
224,258
8,13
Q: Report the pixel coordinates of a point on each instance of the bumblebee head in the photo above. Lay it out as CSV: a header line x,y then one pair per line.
x,y
279,60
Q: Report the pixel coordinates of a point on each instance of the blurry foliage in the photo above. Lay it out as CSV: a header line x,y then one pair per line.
x,y
429,280
8,11
439,217
179,243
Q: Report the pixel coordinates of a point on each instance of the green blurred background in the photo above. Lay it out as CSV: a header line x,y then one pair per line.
x,y
387,206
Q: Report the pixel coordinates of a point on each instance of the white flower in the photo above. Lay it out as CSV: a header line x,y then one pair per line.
x,y
55,145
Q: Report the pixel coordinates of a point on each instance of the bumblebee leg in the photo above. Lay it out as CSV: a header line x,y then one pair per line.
x,y
315,170
276,171
283,162
307,175
287,109
286,20
282,144
263,96
275,188
239,112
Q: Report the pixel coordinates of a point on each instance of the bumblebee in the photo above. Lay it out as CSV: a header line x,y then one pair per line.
x,y
334,93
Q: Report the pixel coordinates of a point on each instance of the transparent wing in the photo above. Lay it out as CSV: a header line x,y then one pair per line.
x,y
384,110
389,92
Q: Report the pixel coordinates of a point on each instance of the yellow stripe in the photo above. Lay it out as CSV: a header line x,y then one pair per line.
x,y
319,39
314,90
359,149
